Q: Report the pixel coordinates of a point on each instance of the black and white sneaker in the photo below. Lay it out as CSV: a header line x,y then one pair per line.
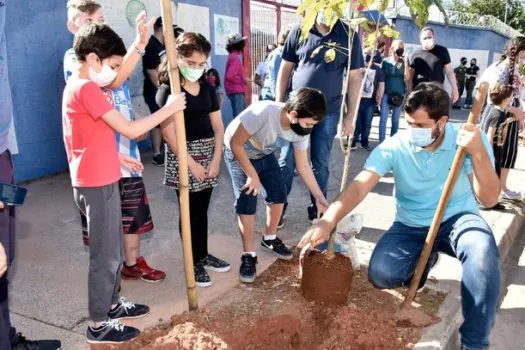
x,y
19,342
127,309
278,248
202,279
111,332
248,271
215,264
158,160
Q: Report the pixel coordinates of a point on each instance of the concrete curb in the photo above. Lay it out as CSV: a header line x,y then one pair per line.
x,y
445,335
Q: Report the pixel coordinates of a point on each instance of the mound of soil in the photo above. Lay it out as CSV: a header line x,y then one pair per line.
x,y
272,314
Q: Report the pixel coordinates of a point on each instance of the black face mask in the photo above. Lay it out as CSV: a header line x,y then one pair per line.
x,y
472,64
400,52
463,62
299,130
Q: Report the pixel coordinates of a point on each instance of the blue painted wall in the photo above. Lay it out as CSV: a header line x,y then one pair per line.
x,y
460,37
36,41
37,38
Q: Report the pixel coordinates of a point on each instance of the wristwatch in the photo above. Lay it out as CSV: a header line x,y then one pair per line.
x,y
140,52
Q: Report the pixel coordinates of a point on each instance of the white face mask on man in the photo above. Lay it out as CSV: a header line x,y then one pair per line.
x,y
104,77
422,137
428,44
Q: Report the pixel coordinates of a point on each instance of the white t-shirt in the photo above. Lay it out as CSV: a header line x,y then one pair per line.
x,y
262,120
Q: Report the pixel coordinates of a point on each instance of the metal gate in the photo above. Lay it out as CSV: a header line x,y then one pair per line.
x,y
265,19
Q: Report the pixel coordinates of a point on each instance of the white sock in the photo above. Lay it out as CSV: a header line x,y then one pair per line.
x,y
269,237
253,254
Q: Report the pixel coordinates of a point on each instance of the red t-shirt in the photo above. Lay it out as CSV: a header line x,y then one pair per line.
x,y
90,143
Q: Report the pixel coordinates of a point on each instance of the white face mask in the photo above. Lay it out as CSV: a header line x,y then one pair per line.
x,y
428,44
422,137
104,77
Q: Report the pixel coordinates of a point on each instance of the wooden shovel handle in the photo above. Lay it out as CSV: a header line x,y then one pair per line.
x,y
443,201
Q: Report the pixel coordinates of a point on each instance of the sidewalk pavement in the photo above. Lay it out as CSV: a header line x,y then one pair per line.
x,y
49,278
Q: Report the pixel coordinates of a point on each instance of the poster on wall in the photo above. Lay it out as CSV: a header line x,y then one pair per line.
x,y
224,26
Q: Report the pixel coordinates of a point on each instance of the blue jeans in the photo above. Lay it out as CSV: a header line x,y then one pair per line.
x,y
238,103
321,141
364,121
465,236
267,169
396,113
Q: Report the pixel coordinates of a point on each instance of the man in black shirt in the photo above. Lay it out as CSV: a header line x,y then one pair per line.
x,y
150,63
430,63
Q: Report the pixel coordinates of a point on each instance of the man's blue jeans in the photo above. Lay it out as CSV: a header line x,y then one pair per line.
x,y
238,103
321,141
465,236
396,113
364,121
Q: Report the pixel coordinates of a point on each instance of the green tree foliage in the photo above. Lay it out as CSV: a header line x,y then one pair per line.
x,y
496,8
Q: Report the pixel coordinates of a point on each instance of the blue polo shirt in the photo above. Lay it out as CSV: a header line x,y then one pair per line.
x,y
419,176
315,72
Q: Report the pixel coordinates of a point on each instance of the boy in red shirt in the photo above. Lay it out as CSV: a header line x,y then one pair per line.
x,y
89,123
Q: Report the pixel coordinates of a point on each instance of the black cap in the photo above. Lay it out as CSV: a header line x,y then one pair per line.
x,y
158,23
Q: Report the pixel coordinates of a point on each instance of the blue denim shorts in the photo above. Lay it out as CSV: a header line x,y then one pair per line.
x,y
269,174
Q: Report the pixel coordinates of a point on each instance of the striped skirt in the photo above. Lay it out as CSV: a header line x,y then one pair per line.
x,y
136,214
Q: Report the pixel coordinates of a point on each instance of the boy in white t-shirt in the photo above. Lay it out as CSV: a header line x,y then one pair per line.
x,y
250,141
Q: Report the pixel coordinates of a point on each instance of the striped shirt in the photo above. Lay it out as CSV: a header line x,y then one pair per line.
x,y
121,100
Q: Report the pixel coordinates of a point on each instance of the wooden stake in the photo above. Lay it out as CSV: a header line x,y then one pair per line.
x,y
443,201
169,41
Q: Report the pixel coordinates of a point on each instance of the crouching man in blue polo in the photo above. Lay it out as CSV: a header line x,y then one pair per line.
x,y
419,159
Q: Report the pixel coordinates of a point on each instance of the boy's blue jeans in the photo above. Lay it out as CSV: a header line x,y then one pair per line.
x,y
321,141
465,236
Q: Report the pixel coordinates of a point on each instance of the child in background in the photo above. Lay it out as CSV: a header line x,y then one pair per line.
x,y
204,136
136,214
495,121
212,75
89,123
250,141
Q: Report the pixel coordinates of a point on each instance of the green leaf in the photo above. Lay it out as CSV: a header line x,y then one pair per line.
x,y
307,24
329,55
383,4
358,21
305,6
390,32
366,3
316,52
371,40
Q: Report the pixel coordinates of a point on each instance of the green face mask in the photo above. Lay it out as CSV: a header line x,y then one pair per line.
x,y
191,74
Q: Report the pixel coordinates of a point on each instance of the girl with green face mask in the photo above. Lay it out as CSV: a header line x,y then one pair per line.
x,y
204,135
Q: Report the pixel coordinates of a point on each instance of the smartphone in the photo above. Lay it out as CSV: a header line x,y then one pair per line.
x,y
12,195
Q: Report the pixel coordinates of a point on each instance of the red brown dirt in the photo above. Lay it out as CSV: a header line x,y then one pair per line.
x,y
326,280
271,314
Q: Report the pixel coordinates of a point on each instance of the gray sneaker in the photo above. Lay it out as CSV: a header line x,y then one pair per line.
x,y
111,332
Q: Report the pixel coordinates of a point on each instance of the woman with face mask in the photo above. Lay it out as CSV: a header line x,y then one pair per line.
x,y
395,88
506,71
204,134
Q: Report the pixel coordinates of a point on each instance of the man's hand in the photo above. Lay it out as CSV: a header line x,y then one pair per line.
x,y
348,127
214,168
142,137
2,206
3,258
143,29
316,234
321,204
252,186
132,164
455,94
469,137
